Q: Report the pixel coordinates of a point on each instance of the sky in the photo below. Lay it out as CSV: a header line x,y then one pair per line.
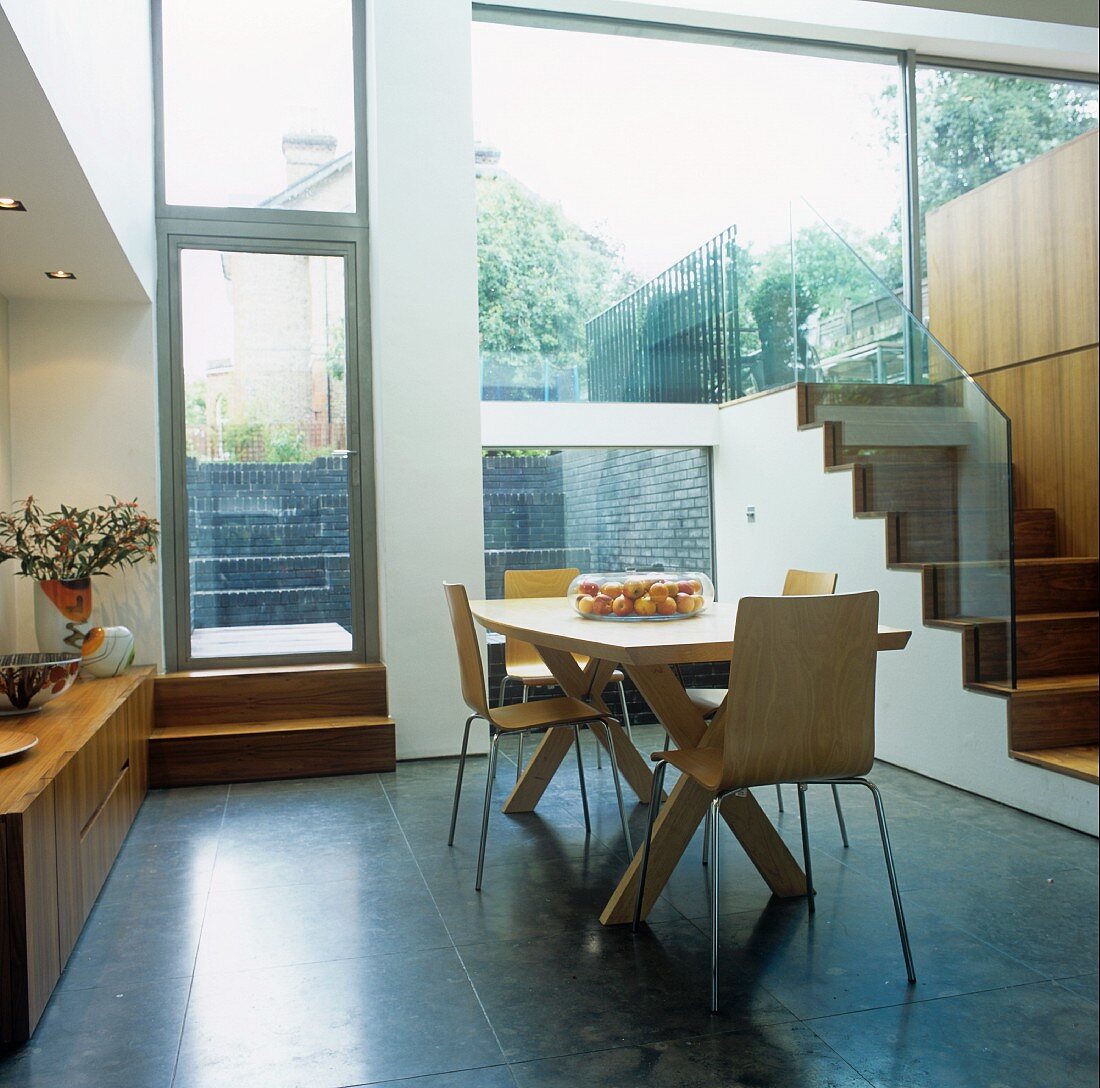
x,y
661,144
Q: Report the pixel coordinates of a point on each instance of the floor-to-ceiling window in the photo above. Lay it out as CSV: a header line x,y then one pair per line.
x,y
263,238
616,172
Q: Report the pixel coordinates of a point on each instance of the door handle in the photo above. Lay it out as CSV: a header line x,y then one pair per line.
x,y
345,453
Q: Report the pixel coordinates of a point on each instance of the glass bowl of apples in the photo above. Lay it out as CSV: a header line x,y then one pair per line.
x,y
634,596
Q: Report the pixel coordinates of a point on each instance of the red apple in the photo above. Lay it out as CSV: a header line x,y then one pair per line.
x,y
589,587
622,606
666,606
601,605
634,588
685,587
658,592
612,589
685,602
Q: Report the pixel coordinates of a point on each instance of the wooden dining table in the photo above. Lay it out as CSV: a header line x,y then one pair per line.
x,y
647,651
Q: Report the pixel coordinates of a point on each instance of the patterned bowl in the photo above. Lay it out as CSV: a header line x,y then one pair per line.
x,y
29,681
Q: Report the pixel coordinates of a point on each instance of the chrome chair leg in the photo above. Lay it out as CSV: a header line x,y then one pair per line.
x,y
806,846
580,775
840,817
626,712
490,775
458,783
779,796
706,836
888,854
714,814
503,685
654,804
618,788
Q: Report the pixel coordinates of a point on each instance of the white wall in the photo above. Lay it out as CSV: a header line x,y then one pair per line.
x,y
83,426
7,600
926,721
425,354
94,61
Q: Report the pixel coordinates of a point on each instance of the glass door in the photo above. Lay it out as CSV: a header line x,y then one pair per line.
x,y
267,497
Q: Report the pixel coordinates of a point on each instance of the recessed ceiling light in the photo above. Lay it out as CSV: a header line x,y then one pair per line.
x,y
61,274
10,204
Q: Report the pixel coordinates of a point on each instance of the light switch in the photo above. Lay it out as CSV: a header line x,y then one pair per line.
x,y
750,513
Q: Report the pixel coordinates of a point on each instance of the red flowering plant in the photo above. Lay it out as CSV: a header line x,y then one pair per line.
x,y
70,543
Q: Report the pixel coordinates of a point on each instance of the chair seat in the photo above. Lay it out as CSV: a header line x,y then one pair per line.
x,y
703,764
542,712
536,674
707,700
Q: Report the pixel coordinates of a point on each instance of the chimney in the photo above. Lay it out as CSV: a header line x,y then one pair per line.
x,y
304,151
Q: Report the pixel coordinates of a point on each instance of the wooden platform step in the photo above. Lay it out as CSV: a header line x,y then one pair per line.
x,y
1057,585
916,537
194,754
1077,761
269,694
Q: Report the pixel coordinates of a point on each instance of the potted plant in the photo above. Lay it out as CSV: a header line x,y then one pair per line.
x,y
62,550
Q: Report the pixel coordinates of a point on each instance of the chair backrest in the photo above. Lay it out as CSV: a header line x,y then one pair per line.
x,y
809,583
801,703
532,583
469,651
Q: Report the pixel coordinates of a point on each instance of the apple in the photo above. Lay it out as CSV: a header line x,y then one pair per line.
x,y
685,603
634,588
696,585
684,587
601,604
645,606
612,589
700,601
658,591
589,588
622,606
666,606
585,603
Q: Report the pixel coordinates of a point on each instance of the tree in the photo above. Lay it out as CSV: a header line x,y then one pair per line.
x,y
973,127
540,276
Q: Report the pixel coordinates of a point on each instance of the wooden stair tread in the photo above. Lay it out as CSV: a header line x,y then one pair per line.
x,y
272,670
1033,685
1077,761
290,725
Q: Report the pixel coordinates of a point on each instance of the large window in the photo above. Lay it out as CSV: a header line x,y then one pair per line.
x,y
258,104
611,173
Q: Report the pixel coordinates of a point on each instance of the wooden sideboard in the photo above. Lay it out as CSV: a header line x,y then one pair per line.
x,y
65,807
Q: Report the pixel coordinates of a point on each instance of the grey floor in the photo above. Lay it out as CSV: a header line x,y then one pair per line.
x,y
319,934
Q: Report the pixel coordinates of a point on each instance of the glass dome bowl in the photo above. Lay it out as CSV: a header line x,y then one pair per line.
x,y
640,596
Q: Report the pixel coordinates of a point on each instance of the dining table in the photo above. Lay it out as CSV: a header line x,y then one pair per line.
x,y
649,652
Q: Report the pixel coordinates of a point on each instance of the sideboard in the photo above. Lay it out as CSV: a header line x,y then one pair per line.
x,y
65,807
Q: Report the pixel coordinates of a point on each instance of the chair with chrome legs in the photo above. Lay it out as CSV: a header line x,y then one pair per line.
x,y
522,663
801,709
561,712
798,583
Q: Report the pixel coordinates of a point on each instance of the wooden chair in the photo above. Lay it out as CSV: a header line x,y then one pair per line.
x,y
522,663
801,708
798,583
519,718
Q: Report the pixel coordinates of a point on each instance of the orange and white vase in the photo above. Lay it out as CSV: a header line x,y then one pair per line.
x,y
61,611
108,651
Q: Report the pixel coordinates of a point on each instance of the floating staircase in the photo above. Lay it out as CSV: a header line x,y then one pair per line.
x,y
245,725
904,446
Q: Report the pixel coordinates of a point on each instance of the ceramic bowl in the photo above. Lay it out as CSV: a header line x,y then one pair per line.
x,y
29,681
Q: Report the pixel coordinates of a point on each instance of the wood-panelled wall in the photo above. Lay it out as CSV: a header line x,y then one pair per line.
x,y
1012,293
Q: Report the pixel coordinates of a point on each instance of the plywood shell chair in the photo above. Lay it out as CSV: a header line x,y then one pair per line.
x,y
519,718
801,708
798,583
522,663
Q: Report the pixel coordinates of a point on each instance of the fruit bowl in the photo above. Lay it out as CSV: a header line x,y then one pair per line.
x,y
637,596
29,681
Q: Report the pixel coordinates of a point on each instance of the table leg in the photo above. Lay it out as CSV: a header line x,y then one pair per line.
x,y
586,684
687,805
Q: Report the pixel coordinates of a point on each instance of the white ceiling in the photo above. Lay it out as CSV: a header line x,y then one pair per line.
x,y
64,225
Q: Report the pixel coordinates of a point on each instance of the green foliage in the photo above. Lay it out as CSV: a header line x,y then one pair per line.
x,y
770,303
273,443
540,277
195,408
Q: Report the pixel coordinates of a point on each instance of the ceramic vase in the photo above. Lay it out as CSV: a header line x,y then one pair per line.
x,y
108,651
61,611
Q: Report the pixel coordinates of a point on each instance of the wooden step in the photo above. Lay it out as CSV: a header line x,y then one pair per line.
x,y
269,694
816,400
1057,644
1054,711
915,537
1036,532
1078,761
842,447
1057,585
192,754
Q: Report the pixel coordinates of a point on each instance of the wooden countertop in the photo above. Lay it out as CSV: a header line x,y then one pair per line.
x,y
63,727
